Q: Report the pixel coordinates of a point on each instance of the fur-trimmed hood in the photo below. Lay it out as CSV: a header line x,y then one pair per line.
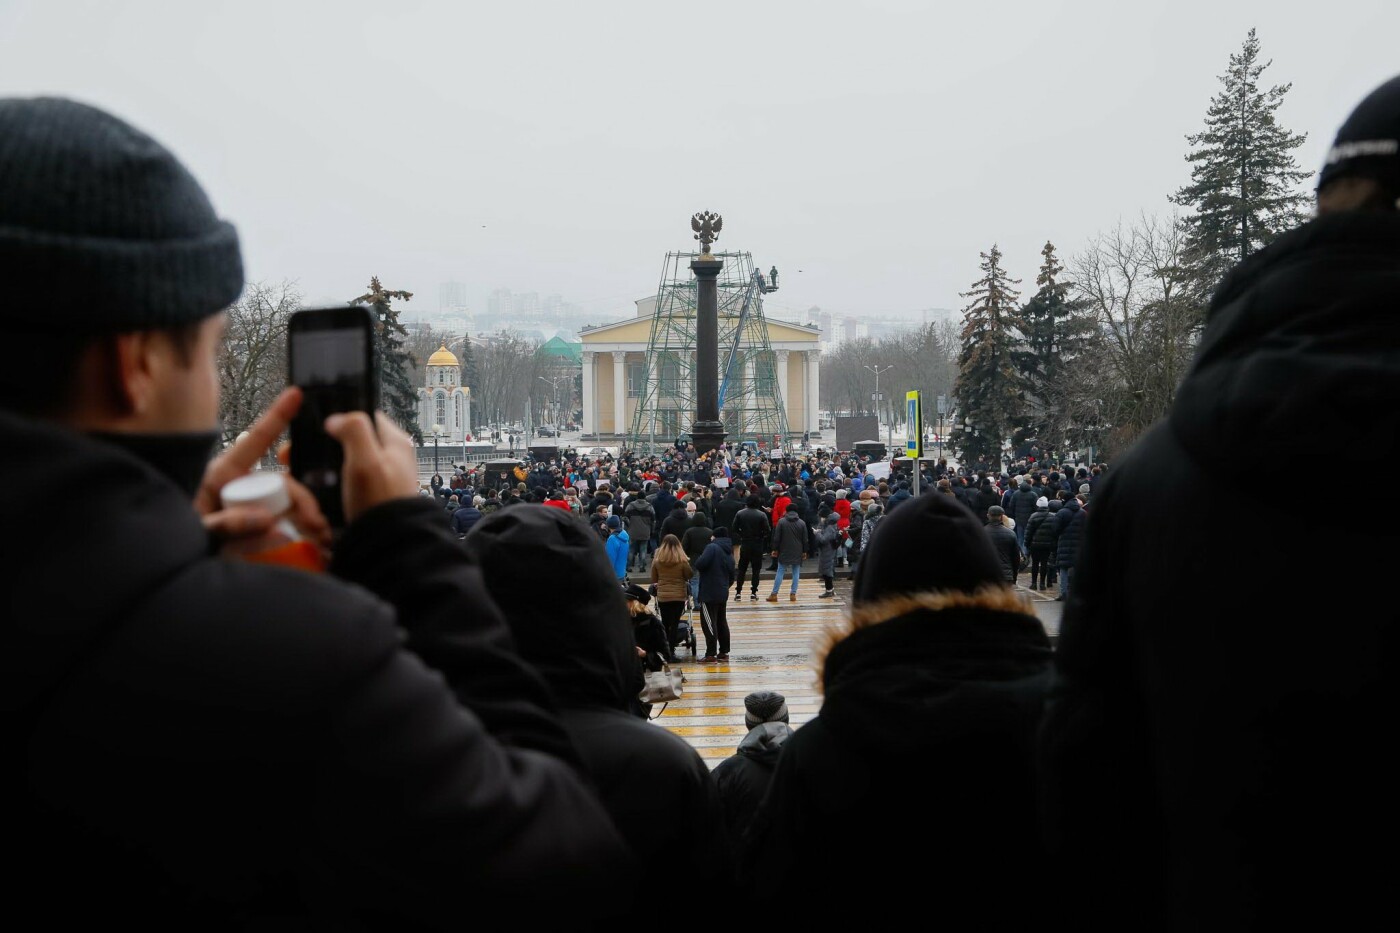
x,y
930,667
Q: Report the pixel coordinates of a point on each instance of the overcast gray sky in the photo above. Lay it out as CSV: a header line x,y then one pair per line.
x,y
562,147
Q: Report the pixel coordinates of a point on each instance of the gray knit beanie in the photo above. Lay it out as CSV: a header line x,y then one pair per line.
x,y
764,706
102,230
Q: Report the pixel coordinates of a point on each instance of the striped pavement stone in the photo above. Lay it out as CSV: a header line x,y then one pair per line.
x,y
770,649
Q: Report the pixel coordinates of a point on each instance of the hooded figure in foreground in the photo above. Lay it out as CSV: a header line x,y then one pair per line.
x,y
575,629
933,693
1212,748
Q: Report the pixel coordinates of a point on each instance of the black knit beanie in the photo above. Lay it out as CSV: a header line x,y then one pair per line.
x,y
102,230
1368,144
930,543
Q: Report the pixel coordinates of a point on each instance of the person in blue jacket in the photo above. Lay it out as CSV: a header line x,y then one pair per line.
x,y
618,545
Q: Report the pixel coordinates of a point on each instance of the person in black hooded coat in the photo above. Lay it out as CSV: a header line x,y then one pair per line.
x,y
655,786
1213,748
933,694
743,778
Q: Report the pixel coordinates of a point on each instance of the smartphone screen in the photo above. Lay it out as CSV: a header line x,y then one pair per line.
x,y
331,358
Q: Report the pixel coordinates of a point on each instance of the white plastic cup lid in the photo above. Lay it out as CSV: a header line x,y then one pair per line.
x,y
262,489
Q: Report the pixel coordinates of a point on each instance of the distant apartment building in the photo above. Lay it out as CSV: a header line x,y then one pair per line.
x,y
500,304
452,296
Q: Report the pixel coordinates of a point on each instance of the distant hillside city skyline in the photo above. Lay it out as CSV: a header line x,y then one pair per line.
x,y
544,316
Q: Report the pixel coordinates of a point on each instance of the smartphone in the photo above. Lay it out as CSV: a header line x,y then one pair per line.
x,y
330,357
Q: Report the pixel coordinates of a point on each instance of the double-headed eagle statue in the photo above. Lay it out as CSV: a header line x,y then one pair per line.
x,y
707,226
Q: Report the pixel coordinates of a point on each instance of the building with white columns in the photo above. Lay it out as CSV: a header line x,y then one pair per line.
x,y
615,374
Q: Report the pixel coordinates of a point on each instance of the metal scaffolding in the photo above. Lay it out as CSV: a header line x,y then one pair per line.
x,y
751,405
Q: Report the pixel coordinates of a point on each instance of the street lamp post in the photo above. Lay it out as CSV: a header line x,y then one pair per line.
x,y
554,383
437,433
889,434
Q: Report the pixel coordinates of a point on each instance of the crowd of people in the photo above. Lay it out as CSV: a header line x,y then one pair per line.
x,y
445,726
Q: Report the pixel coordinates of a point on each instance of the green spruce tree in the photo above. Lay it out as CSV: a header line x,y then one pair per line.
x,y
1244,179
1056,331
989,387
396,393
470,376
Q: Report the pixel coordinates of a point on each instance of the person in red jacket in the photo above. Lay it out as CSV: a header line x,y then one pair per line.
x,y
781,501
842,508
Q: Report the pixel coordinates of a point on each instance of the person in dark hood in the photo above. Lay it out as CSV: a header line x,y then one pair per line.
x,y
656,787
933,691
195,741
676,523
715,570
828,543
1212,746
694,540
743,778
987,496
465,517
727,510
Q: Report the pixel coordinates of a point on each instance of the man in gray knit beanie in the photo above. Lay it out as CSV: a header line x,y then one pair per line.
x,y
199,739
743,779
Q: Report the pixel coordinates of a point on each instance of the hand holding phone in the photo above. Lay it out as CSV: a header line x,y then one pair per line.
x,y
380,461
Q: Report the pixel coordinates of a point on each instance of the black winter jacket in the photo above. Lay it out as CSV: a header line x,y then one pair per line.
x,y
1007,550
987,497
655,786
1069,531
1207,741
1035,526
204,742
751,528
696,537
926,733
675,524
726,510
743,779
1023,504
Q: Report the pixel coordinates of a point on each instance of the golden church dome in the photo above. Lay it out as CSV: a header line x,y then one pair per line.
x,y
443,357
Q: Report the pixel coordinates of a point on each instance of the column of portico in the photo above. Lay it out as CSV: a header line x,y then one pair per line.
x,y
814,401
750,398
619,393
590,374
783,387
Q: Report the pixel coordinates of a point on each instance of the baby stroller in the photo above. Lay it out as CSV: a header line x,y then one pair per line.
x,y
685,631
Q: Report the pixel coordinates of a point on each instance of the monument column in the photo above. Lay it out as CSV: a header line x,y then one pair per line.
x,y
706,431
590,373
619,392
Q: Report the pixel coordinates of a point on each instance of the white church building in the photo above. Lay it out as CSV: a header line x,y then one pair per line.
x,y
444,404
